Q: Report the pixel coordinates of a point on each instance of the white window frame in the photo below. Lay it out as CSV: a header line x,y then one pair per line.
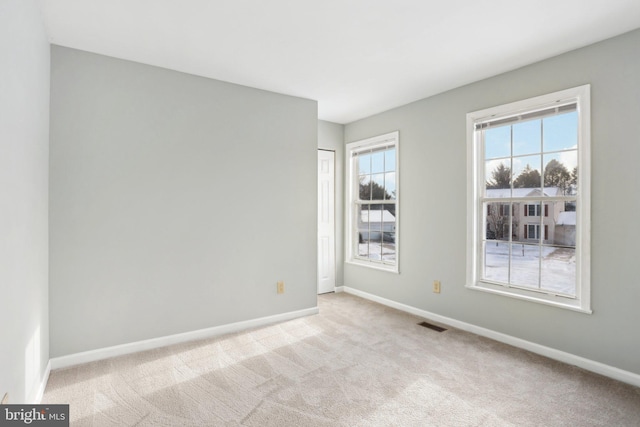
x,y
476,184
352,192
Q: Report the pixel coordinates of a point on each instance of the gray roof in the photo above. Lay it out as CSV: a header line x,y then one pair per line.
x,y
523,192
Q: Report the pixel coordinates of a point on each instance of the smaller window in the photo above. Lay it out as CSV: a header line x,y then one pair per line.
x,y
373,210
532,232
534,210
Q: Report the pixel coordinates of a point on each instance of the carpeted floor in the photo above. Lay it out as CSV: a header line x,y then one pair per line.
x,y
357,363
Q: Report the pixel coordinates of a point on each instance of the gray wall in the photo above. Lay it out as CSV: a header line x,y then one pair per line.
x,y
24,134
433,193
331,137
176,202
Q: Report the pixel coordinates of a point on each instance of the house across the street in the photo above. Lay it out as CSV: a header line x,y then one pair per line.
x,y
530,220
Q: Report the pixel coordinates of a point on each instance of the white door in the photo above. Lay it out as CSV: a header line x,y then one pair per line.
x,y
326,222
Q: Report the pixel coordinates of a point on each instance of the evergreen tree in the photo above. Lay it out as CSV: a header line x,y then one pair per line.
x,y
557,175
374,191
500,177
528,178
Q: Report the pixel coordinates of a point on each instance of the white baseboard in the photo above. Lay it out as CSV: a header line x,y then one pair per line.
x,y
571,359
338,289
36,396
134,347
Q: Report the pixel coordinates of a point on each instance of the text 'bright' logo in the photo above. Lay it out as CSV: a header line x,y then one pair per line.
x,y
27,416
38,415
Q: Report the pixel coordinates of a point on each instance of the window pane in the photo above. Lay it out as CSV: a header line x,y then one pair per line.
x,y
498,177
365,187
377,187
570,206
559,270
366,212
390,185
559,173
389,218
370,230
377,162
363,230
363,217
364,164
561,132
390,160
527,176
574,180
516,220
527,138
496,261
564,230
389,246
525,265
383,231
375,245
497,220
497,142
363,248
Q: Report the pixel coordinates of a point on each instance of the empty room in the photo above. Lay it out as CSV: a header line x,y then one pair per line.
x,y
305,213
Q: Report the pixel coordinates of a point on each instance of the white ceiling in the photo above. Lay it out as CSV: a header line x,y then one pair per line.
x,y
355,57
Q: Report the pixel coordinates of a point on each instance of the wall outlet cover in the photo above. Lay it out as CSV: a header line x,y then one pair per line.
x,y
436,286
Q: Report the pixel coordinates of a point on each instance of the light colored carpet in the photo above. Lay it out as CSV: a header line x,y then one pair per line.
x,y
357,363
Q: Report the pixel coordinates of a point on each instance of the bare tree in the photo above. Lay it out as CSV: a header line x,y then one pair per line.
x,y
496,220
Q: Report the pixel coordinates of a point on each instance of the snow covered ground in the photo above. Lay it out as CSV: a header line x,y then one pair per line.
x,y
555,271
385,251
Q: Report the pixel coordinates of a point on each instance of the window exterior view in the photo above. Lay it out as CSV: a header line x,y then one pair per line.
x,y
530,198
373,208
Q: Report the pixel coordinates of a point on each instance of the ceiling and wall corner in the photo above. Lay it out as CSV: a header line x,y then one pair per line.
x,y
356,58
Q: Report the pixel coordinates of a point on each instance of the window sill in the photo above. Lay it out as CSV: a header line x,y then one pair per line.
x,y
375,266
540,298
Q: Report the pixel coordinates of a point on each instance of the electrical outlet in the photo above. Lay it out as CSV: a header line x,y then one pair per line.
x,y
5,399
281,287
436,286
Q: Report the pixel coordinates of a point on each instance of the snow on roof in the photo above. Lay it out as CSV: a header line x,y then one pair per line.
x,y
567,218
374,216
523,192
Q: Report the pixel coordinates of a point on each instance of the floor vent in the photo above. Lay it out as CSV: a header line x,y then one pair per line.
x,y
434,327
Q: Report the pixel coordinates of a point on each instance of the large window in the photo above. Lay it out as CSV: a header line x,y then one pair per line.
x,y
372,214
529,184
